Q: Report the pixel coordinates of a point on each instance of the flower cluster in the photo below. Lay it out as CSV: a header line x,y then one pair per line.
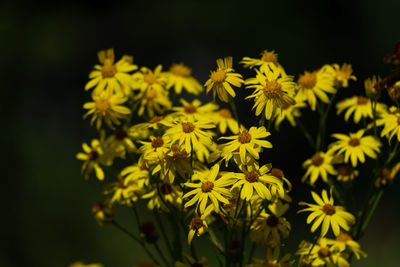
x,y
196,166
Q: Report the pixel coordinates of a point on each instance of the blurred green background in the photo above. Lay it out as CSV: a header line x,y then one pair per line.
x,y
48,49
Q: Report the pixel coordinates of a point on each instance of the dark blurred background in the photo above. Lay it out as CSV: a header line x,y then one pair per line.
x,y
48,50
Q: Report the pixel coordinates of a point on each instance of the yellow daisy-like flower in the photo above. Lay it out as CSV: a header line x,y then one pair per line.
x,y
221,80
82,264
246,142
321,254
106,107
179,77
154,100
103,212
198,225
93,158
110,76
146,79
189,133
391,122
344,241
289,113
271,224
360,106
137,173
195,110
176,163
211,188
280,190
121,142
341,74
272,91
124,191
319,165
329,215
155,150
267,61
355,146
370,85
346,173
224,120
315,84
387,176
254,181
283,262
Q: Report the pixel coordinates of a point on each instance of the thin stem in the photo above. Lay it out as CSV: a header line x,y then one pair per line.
x,y
233,107
163,233
252,249
306,134
371,212
262,119
138,240
214,240
161,254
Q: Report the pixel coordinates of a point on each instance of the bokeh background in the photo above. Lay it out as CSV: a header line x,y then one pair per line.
x,y
48,49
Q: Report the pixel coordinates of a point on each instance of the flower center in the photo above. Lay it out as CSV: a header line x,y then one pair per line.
x,y
188,127
166,188
344,169
272,89
157,142
324,252
385,174
155,120
151,94
121,184
270,263
269,56
317,160
218,76
102,105
144,167
97,208
277,173
121,135
354,141
285,106
308,80
398,120
225,113
196,223
329,209
207,186
180,70
251,176
108,70
244,137
190,109
361,100
343,237
272,220
150,78
93,155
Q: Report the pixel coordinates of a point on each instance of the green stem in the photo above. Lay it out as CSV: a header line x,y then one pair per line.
x,y
371,211
138,240
306,134
262,119
163,233
253,248
233,107
214,240
161,254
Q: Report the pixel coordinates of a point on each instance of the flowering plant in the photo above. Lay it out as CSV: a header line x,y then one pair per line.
x,y
199,168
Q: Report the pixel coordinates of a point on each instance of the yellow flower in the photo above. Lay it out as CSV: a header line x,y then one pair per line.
x,y
355,146
329,215
320,165
198,225
341,74
321,254
344,241
146,79
153,100
220,80
315,84
387,176
272,262
346,173
271,224
110,76
224,120
106,107
211,188
280,190
391,123
121,142
165,192
254,180
370,85
272,91
268,60
246,142
155,150
154,123
179,76
82,264
289,113
103,212
194,109
189,133
124,191
176,163
139,174
93,158
360,106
